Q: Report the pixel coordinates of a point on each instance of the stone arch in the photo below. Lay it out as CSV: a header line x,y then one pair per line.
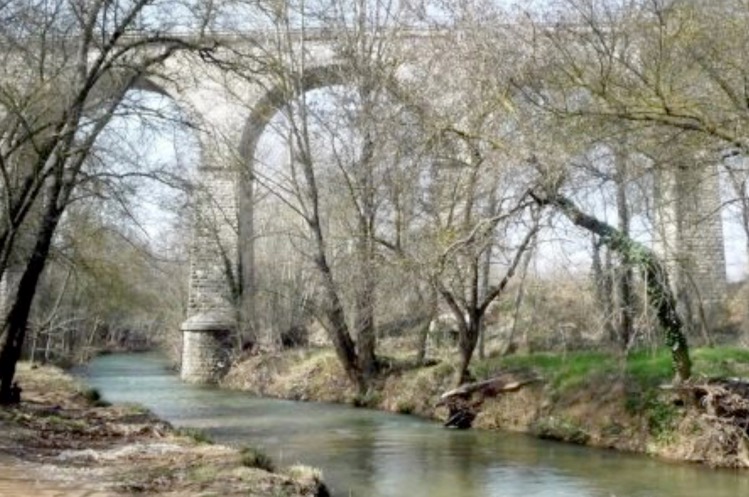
x,y
223,260
266,108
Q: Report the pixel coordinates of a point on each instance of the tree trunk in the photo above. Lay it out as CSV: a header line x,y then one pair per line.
x,y
659,291
18,316
365,285
518,305
333,306
625,277
467,343
485,275
604,291
365,326
424,331
339,334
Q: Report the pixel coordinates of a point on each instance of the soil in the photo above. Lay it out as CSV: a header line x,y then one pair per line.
x,y
61,441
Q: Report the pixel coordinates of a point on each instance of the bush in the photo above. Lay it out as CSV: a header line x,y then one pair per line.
x,y
254,458
93,397
199,436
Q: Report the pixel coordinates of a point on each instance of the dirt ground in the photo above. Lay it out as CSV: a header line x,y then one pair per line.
x,y
61,441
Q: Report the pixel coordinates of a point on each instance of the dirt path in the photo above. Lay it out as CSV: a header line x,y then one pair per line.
x,y
18,479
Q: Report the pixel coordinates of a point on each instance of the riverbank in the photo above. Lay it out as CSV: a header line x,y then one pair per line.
x,y
588,398
63,437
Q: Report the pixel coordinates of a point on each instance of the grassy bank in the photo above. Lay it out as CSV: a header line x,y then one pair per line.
x,y
66,435
590,398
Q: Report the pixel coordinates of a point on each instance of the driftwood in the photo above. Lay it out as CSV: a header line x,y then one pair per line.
x,y
464,403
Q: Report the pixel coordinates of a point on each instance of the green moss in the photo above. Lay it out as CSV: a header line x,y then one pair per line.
x,y
136,410
371,398
62,423
443,370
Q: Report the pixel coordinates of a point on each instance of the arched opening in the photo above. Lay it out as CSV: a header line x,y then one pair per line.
x,y
319,159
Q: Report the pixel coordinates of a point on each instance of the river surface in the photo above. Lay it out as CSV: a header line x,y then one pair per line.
x,y
366,453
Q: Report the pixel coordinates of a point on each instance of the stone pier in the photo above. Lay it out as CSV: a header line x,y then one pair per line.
x,y
206,346
211,327
690,239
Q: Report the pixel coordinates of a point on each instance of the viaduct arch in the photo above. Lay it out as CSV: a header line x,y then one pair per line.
x,y
231,114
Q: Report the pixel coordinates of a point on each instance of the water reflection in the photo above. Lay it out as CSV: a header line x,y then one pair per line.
x,y
373,454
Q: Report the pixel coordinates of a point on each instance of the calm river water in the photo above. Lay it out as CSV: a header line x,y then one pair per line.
x,y
374,454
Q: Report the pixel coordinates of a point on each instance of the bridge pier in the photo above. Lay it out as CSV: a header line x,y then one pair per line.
x,y
211,327
690,239
206,347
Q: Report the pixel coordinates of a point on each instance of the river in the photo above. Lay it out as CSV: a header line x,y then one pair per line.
x,y
374,454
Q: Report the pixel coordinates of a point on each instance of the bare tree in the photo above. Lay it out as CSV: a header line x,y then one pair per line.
x,y
73,63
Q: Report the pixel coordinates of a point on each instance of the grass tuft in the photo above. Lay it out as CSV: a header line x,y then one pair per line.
x,y
305,473
93,397
254,458
197,435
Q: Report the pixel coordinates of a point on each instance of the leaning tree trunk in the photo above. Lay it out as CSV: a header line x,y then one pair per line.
x,y
338,331
632,252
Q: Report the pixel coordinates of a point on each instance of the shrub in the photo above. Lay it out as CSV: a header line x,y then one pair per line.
x,y
93,397
254,458
197,435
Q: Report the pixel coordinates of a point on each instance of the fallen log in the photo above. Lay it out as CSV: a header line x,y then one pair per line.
x,y
464,402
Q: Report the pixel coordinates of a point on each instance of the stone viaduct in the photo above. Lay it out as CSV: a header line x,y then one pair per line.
x,y
231,112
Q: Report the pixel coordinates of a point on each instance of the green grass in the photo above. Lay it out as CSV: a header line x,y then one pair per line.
x,y
650,368
721,361
647,367
563,371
